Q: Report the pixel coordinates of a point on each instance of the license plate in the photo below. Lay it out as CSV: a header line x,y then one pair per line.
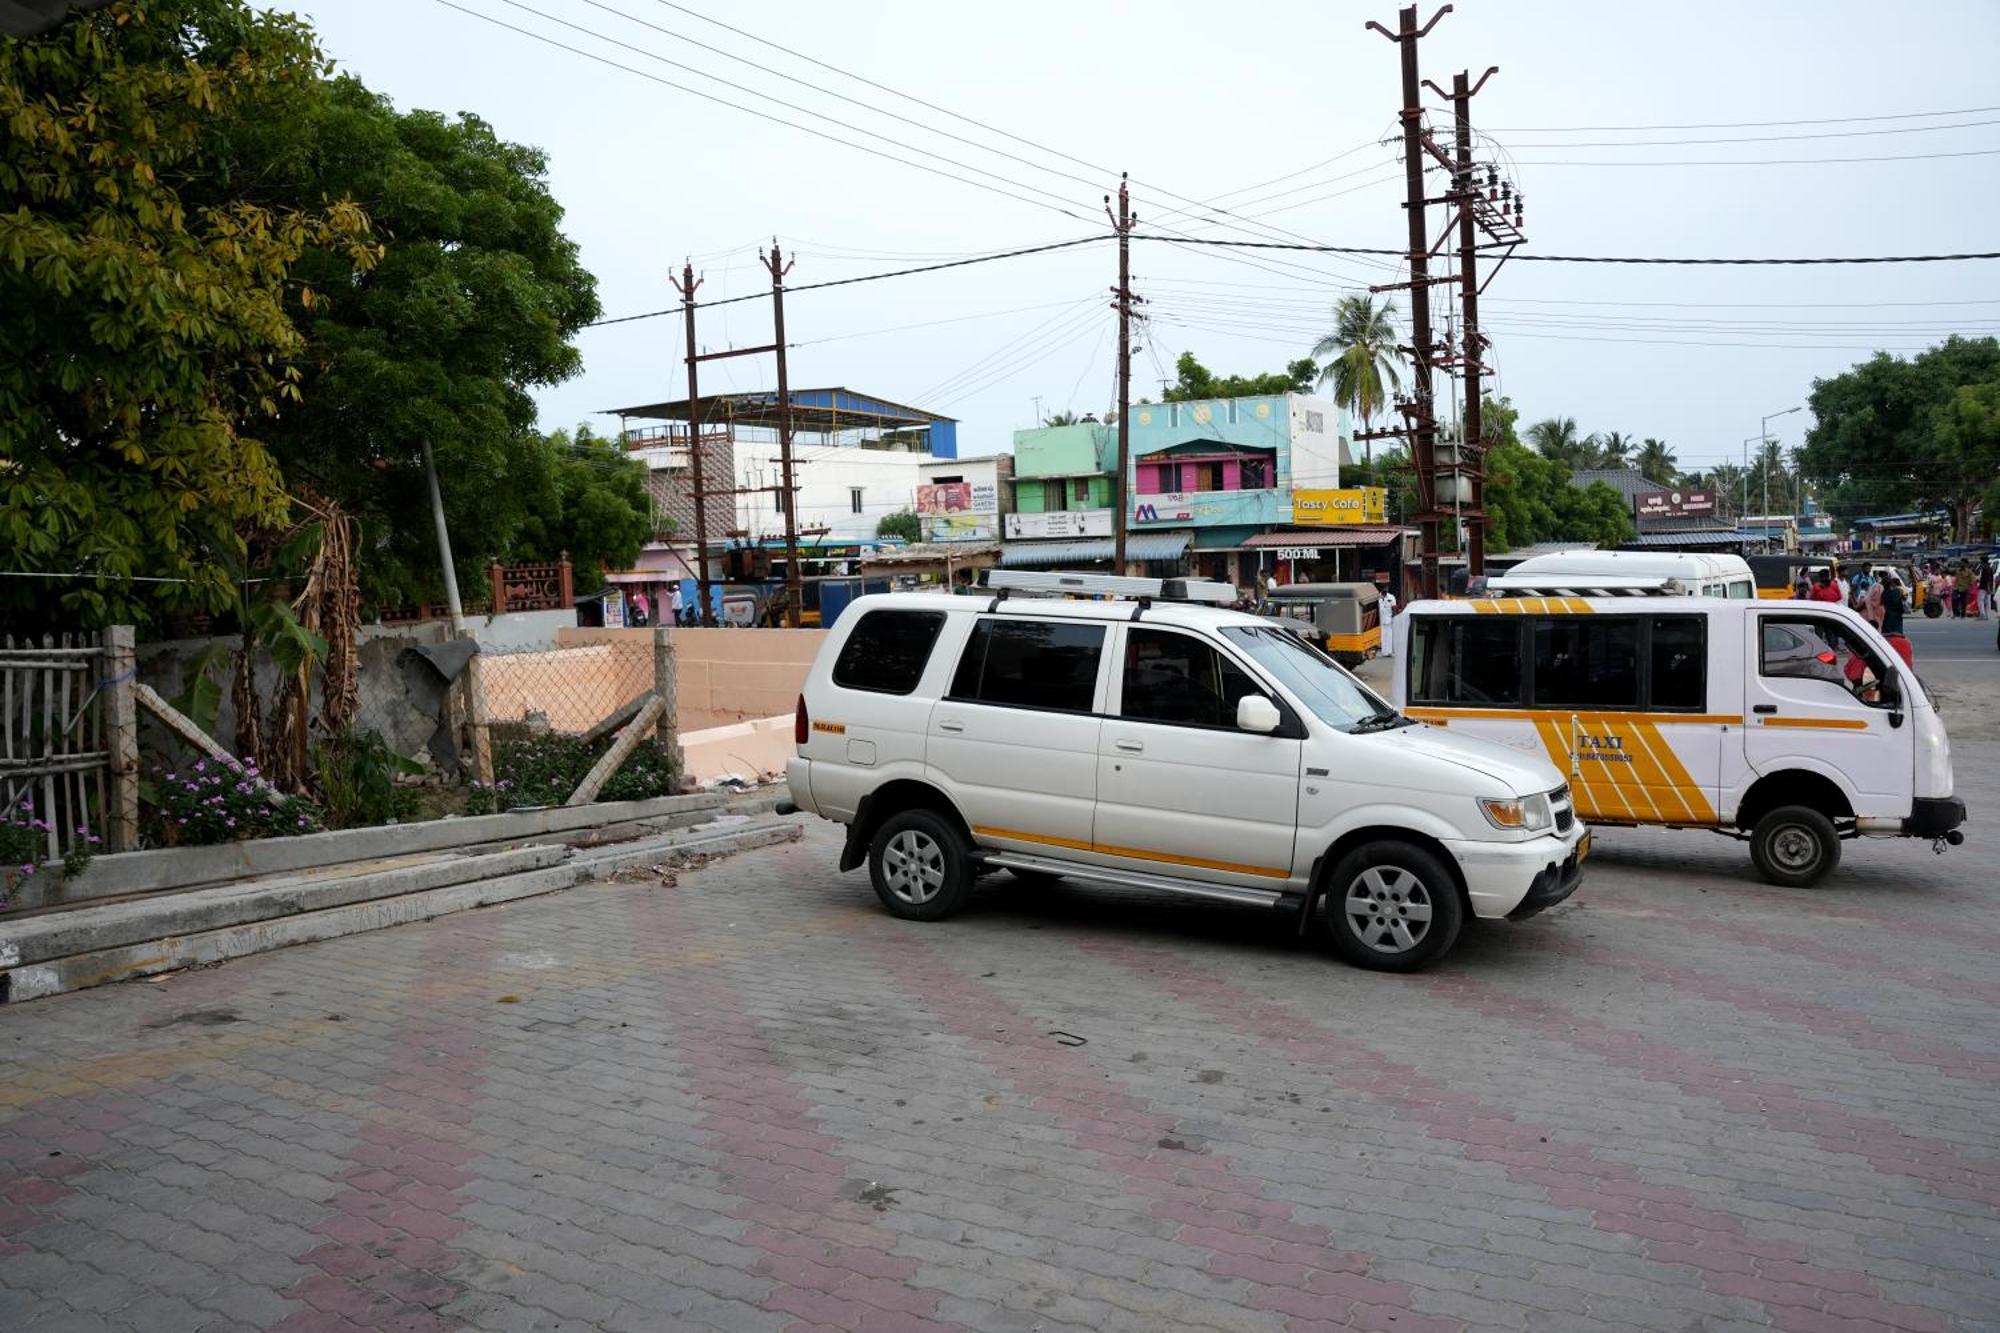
x,y
1582,848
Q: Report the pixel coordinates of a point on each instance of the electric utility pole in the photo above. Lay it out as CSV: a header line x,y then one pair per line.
x,y
788,491
1123,221
686,287
1421,410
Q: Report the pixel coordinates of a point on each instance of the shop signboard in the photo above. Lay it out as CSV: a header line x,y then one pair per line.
x,y
1674,504
1331,508
1170,507
957,527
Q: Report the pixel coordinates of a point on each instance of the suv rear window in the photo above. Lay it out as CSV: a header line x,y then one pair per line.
x,y
886,652
1031,664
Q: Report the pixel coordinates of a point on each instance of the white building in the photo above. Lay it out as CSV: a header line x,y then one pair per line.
x,y
845,490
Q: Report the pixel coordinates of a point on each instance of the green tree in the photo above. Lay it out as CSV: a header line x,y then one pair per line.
x,y
905,525
1060,419
1195,381
1880,443
1559,439
1656,461
1968,430
147,292
590,500
1614,449
473,304
1361,358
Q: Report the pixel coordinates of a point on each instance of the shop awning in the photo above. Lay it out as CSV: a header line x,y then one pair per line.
x,y
932,558
1138,546
1356,534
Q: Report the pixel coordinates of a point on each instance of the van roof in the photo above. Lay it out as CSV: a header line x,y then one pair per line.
x,y
1584,606
1669,564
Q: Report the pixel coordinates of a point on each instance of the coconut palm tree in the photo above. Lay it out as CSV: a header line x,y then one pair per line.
x,y
1557,438
1613,449
1656,461
1360,358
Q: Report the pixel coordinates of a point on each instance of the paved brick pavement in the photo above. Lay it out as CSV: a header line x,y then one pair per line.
x,y
750,1100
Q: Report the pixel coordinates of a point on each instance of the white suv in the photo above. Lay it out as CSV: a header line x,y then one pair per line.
x,y
1149,740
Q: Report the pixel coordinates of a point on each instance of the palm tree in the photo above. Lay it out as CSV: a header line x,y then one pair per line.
x,y
1656,461
1361,358
1060,419
1557,438
1613,448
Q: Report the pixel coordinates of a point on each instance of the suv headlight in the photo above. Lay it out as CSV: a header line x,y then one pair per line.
x,y
1523,814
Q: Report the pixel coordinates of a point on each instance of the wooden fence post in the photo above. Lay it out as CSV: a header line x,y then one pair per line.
x,y
621,750
565,575
121,683
498,587
666,685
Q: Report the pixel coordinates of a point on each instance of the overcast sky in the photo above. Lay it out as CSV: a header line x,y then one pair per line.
x,y
1198,102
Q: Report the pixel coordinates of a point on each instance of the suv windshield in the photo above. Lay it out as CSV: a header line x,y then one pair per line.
x,y
1336,697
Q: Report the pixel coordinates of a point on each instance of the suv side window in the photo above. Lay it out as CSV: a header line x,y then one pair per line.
x,y
1679,663
1030,664
1179,679
1810,648
887,651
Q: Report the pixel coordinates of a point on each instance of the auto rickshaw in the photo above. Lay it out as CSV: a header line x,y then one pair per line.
x,y
1778,574
1343,619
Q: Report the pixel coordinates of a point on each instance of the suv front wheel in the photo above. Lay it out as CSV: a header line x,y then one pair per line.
x,y
1391,906
920,865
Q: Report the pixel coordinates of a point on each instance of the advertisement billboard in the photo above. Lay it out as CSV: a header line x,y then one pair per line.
x,y
1170,507
1674,504
1060,523
1331,508
950,497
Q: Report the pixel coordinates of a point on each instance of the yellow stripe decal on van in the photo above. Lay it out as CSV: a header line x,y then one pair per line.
x,y
1168,858
1427,713
1817,723
1526,606
1624,770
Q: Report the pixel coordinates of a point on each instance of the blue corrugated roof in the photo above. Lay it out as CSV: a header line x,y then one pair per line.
x,y
1138,546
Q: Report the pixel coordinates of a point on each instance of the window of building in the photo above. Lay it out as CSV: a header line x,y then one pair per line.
x,y
854,498
1030,664
1178,679
1466,660
1232,411
1586,662
1052,495
1816,649
1079,493
1679,663
1256,474
1207,476
887,651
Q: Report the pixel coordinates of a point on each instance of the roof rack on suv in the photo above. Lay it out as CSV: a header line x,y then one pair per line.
x,y
1058,584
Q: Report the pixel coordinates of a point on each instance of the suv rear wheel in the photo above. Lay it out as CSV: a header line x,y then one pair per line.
x,y
920,866
1391,906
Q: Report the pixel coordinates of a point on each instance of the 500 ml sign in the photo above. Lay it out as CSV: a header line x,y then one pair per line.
x,y
1325,508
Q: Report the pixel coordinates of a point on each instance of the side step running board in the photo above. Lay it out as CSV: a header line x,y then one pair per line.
x,y
1135,879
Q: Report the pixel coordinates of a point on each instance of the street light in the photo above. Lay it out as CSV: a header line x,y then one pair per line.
x,y
1743,481
1763,438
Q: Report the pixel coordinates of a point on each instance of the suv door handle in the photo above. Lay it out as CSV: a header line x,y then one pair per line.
x,y
1127,743
1764,708
951,726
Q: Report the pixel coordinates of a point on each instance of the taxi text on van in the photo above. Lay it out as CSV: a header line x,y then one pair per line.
x,y
1793,725
1139,736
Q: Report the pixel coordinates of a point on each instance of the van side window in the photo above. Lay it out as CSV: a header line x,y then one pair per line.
x,y
1679,663
1177,678
1586,662
1466,660
887,651
1030,664
1810,648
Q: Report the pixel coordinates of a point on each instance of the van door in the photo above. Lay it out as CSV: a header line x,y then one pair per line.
x,y
1014,740
1466,672
1822,698
1179,788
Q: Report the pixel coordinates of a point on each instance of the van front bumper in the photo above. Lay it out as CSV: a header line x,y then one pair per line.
x,y
1934,816
1515,880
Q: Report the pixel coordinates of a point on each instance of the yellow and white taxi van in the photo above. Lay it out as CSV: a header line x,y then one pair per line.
x,y
1792,725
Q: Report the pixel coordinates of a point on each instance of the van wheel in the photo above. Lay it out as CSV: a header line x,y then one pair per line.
x,y
919,866
1391,906
1794,845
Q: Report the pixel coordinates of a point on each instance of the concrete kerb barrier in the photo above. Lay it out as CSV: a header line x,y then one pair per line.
x,y
190,867
39,938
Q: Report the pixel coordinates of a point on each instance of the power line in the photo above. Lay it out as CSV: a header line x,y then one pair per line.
x,y
762,115
1764,161
1582,259
1756,138
1738,124
865,277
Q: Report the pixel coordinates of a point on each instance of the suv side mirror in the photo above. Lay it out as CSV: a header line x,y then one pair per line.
x,y
1256,713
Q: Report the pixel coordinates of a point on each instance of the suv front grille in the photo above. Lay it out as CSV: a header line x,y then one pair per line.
x,y
1565,813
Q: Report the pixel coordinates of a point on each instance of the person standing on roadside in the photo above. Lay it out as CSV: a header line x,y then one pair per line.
x,y
1823,587
1894,604
1985,602
1962,598
1871,601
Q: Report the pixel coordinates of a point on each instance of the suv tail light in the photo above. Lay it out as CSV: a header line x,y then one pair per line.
x,y
801,723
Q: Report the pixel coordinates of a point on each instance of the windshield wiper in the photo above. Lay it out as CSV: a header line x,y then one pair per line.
x,y
1380,722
